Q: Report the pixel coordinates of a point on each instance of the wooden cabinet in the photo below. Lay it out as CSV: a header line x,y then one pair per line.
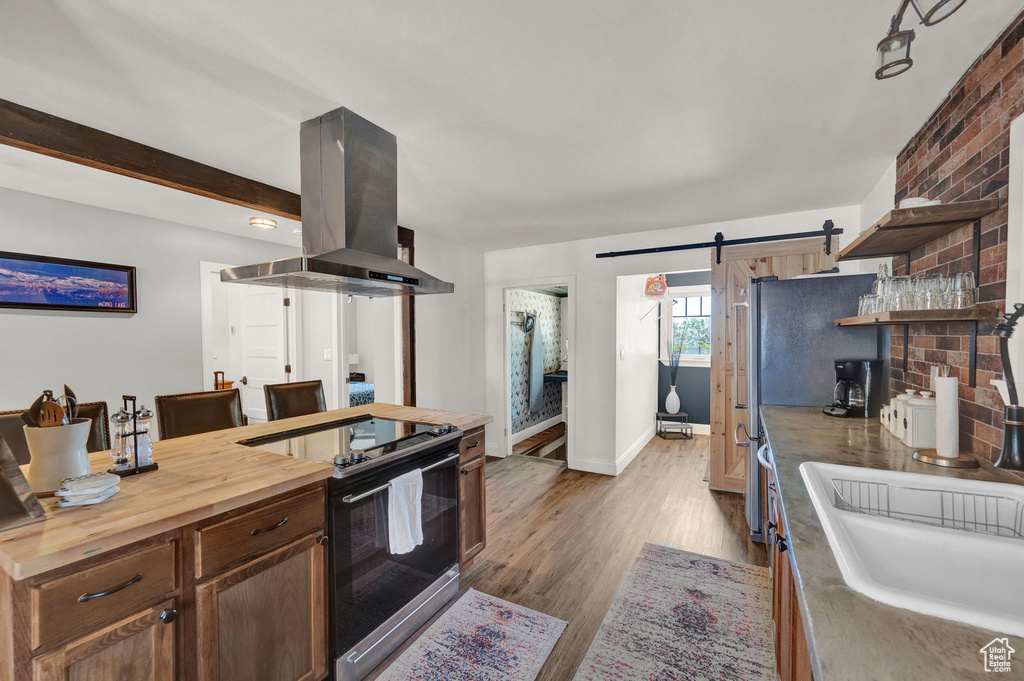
x,y
239,596
138,648
266,620
793,660
472,497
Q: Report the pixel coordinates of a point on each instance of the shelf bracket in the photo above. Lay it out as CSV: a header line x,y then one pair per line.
x,y
976,256
973,381
906,348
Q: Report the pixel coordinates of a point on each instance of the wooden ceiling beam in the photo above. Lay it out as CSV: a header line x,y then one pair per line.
x,y
42,133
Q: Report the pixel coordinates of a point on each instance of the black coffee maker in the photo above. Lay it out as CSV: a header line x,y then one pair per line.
x,y
858,391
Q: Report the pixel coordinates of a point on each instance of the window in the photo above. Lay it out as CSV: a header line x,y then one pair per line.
x,y
691,325
686,326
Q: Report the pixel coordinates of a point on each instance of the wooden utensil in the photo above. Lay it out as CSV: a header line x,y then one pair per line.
x,y
51,414
31,416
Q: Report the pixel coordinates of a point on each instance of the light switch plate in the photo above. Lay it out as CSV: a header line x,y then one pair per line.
x,y
328,355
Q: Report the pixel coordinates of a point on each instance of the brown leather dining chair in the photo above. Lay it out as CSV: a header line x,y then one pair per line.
x,y
286,400
99,432
192,413
13,437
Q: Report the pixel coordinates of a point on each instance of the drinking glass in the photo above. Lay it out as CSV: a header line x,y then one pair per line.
x,y
964,293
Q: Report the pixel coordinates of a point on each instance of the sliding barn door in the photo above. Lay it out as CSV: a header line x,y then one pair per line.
x,y
783,259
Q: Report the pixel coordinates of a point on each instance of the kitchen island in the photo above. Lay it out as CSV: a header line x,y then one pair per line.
x,y
850,636
90,592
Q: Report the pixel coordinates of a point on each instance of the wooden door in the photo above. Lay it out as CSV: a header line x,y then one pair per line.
x,y
472,510
785,260
264,345
266,620
139,648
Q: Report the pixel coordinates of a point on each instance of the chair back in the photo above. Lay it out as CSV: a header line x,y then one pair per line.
x,y
285,400
13,437
202,412
99,433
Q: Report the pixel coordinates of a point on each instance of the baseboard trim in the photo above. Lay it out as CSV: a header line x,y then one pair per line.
x,y
701,428
634,449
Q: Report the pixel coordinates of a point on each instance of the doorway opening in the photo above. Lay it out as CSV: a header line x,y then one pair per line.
x,y
249,335
539,392
684,351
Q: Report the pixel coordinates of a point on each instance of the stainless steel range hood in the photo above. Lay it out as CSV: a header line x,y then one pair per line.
x,y
349,216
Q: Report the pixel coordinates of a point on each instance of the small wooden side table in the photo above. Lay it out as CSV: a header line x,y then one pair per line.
x,y
674,426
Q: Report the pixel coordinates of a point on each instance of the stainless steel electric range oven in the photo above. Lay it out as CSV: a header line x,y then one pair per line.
x,y
378,599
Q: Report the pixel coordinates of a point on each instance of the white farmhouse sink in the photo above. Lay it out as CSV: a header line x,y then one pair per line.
x,y
940,546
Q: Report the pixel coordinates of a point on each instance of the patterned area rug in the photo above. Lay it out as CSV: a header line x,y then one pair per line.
x,y
680,615
480,638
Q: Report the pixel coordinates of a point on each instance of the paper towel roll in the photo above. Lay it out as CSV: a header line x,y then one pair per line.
x,y
947,416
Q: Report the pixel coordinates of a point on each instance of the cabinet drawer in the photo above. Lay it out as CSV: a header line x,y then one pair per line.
x,y
258,531
472,445
88,600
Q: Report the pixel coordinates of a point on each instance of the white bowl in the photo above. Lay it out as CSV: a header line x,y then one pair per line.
x,y
915,202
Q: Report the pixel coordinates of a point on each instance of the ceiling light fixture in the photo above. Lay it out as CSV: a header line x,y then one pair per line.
x,y
263,223
894,49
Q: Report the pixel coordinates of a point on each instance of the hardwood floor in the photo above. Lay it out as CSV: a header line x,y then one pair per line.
x,y
560,541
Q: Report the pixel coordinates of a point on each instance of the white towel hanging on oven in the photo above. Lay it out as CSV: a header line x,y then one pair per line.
x,y
405,520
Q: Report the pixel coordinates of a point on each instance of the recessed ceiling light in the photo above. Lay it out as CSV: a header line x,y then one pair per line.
x,y
263,223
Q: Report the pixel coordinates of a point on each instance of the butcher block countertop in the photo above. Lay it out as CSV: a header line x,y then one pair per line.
x,y
199,477
851,636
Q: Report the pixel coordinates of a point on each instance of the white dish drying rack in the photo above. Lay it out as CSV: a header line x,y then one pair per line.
x,y
971,512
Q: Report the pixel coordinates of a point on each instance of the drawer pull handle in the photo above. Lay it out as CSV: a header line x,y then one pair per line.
x,y
269,529
84,598
474,445
167,616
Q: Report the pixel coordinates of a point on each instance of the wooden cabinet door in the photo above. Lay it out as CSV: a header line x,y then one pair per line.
x,y
784,259
472,510
266,620
138,648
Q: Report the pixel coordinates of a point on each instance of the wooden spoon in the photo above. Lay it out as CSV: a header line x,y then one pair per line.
x,y
51,414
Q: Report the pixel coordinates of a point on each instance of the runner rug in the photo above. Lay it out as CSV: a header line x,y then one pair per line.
x,y
480,638
680,615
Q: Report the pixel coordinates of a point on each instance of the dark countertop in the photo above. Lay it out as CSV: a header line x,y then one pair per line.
x,y
852,637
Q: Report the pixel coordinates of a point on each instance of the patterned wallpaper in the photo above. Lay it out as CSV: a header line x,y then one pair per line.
x,y
549,317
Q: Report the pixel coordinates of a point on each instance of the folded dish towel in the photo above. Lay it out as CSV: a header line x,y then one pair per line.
x,y
405,522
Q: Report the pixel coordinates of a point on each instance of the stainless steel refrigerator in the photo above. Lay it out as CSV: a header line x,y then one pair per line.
x,y
792,342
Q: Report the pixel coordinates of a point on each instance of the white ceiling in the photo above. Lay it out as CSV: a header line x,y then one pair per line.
x,y
517,122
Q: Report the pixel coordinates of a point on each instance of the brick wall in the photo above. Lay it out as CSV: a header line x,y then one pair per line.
x,y
962,154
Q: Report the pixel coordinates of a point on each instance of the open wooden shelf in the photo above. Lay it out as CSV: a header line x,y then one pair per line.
x,y
974,314
902,230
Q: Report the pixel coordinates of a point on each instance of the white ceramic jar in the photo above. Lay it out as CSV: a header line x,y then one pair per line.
x,y
896,418
57,452
919,421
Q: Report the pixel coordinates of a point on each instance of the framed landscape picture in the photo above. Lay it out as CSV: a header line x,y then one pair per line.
x,y
39,282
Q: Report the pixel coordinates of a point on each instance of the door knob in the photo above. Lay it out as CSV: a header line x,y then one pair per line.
x,y
168,616
244,381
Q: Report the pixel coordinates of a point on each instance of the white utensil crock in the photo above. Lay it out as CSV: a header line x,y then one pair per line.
x,y
58,452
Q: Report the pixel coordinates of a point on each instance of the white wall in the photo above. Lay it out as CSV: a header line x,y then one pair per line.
x,y
594,361
450,330
320,327
104,355
1015,242
879,200
636,369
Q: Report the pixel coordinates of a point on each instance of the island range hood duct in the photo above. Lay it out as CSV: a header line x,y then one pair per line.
x,y
349,216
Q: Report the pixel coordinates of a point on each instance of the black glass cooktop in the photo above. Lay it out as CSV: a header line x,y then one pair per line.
x,y
349,441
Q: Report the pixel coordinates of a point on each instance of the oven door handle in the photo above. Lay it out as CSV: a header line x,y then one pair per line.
x,y
350,499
